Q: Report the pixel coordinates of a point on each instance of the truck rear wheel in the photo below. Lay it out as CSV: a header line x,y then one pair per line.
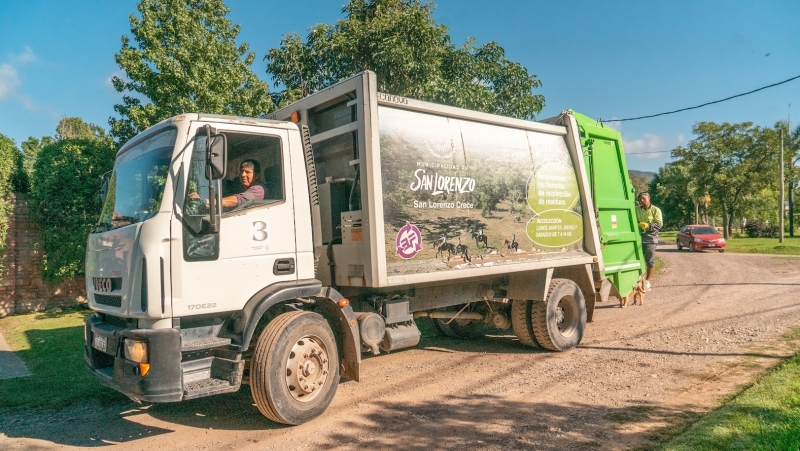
x,y
459,328
294,373
521,322
558,322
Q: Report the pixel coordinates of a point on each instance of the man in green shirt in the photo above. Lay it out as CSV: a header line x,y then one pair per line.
x,y
650,222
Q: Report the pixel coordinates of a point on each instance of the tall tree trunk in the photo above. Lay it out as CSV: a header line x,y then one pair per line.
x,y
725,221
732,214
791,211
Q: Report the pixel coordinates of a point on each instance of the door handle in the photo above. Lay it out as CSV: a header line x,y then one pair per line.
x,y
283,266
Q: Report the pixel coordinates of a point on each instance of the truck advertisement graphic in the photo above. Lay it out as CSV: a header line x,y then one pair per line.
x,y
464,194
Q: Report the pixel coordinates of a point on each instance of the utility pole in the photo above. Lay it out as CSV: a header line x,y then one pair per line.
x,y
780,204
793,176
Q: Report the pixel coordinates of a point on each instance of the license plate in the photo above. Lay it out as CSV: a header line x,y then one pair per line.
x,y
100,343
712,245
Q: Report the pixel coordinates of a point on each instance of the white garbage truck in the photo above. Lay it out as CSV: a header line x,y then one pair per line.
x,y
275,251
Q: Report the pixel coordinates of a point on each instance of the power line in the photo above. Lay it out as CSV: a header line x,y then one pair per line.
x,y
641,153
705,104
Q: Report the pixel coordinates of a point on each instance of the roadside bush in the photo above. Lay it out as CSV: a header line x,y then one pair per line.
x,y
755,228
8,153
65,200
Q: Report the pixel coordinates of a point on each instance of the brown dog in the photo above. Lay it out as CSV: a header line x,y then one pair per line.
x,y
637,293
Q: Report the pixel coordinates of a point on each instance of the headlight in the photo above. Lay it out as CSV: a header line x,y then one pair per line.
x,y
698,240
136,350
721,240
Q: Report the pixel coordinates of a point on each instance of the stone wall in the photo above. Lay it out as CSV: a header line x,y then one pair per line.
x,y
22,288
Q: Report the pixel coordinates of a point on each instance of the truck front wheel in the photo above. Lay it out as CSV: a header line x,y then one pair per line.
x,y
558,322
294,373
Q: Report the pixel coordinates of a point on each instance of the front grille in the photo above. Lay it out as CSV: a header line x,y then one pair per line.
x,y
109,300
107,284
122,323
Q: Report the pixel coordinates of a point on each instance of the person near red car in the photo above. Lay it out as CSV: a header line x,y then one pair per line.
x,y
650,222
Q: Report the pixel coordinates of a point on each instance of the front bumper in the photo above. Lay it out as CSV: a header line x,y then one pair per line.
x,y
709,246
162,383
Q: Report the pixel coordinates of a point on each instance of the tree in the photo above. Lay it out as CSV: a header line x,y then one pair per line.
x,y
412,56
641,182
791,171
185,59
65,199
730,162
671,191
75,127
8,157
30,151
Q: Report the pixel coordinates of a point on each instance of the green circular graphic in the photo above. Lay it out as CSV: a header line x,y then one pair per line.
x,y
553,186
555,228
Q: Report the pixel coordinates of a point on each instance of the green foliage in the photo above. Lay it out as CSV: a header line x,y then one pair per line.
x,y
727,170
30,151
75,127
65,199
19,179
8,161
412,56
765,417
757,229
185,59
671,191
641,182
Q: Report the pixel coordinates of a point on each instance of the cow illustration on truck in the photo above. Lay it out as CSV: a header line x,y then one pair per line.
x,y
195,294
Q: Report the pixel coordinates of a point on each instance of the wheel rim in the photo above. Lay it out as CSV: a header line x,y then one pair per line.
x,y
567,316
307,368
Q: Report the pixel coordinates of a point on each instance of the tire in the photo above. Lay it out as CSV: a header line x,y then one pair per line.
x,y
521,322
680,247
559,322
721,251
278,368
691,247
459,328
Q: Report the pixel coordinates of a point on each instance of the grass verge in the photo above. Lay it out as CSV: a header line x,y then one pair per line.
x,y
765,416
790,246
51,345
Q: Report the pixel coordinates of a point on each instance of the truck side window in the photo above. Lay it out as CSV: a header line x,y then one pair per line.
x,y
197,246
255,172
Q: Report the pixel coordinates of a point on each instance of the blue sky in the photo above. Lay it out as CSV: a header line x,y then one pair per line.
x,y
604,59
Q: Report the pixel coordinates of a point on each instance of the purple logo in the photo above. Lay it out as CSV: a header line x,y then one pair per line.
x,y
408,241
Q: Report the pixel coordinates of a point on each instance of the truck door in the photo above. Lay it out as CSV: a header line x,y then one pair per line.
x,y
256,243
613,198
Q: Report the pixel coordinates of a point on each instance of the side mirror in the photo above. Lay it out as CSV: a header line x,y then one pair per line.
x,y
216,156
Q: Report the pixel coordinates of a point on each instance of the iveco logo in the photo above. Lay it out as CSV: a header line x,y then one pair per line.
x,y
102,284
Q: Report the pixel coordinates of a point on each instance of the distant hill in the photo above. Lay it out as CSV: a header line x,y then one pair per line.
x,y
648,175
641,180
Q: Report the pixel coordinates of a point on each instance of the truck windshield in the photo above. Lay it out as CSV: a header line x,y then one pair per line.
x,y
137,183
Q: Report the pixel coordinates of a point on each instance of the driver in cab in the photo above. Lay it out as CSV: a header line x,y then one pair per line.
x,y
249,174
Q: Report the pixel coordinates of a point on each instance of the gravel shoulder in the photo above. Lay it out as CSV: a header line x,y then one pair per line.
x,y
710,325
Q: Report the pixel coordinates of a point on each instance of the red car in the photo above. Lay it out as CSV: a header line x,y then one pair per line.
x,y
699,237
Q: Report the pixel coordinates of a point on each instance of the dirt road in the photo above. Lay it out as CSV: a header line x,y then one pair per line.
x,y
709,325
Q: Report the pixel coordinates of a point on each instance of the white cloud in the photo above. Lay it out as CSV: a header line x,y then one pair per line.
x,y
651,146
614,125
9,81
25,57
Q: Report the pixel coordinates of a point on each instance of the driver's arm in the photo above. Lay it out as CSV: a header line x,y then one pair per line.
x,y
230,201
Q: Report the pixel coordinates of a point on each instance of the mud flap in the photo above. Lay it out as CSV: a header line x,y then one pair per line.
x,y
345,327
